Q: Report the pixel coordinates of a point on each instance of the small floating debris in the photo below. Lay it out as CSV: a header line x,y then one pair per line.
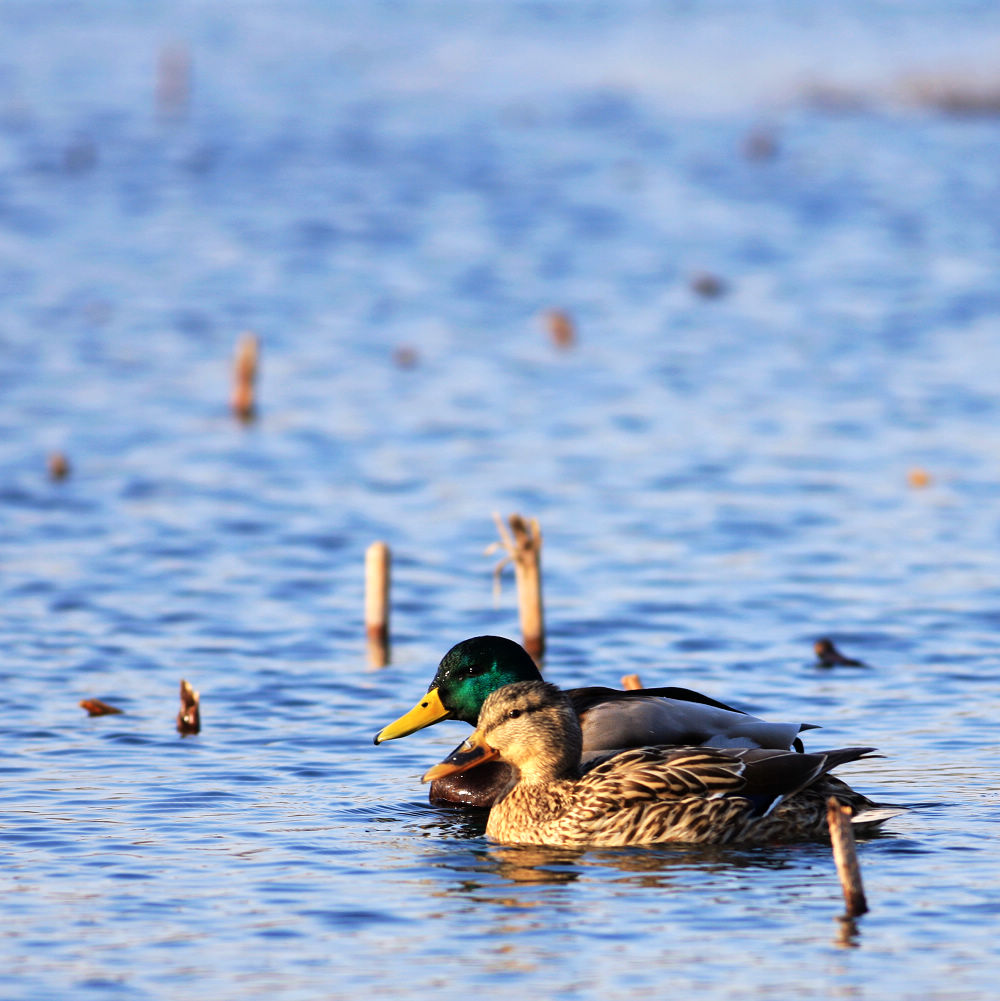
x,y
845,856
189,718
561,328
59,468
631,682
95,707
955,94
244,401
405,356
760,143
829,656
707,285
378,561
523,545
919,478
173,80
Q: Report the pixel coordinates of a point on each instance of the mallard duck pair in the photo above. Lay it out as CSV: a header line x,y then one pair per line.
x,y
610,719
645,795
552,766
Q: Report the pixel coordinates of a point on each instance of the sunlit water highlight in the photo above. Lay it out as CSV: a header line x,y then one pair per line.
x,y
719,481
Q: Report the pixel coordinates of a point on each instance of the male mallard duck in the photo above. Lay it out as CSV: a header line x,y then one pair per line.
x,y
611,719
647,794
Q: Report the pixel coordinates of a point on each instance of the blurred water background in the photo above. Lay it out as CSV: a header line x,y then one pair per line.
x,y
391,195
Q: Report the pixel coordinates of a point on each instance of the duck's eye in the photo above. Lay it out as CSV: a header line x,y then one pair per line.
x,y
513,714
475,669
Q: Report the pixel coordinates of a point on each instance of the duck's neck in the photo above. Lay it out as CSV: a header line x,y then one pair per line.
x,y
536,777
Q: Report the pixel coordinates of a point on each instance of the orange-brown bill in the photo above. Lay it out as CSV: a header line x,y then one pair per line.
x,y
473,752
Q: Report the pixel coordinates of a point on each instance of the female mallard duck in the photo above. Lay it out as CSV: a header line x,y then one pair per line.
x,y
648,794
611,719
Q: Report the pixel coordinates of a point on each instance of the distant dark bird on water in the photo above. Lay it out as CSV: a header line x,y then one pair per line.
x,y
830,656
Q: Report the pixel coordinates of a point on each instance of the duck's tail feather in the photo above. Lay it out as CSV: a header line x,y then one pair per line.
x,y
875,816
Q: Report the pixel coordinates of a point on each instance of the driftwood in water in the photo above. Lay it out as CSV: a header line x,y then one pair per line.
x,y
58,466
95,707
189,718
562,330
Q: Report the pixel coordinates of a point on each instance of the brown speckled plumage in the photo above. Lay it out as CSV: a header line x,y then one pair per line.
x,y
649,794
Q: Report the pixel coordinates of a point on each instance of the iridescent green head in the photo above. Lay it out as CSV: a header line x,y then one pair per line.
x,y
474,668
467,674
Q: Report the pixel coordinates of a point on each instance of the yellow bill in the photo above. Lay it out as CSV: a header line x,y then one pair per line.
x,y
427,711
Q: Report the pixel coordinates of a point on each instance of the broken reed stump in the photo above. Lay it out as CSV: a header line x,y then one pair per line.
x,y
95,707
523,545
845,856
631,682
244,398
58,466
378,561
189,718
561,328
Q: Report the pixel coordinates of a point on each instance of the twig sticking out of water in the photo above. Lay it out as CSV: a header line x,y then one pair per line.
x,y
378,563
95,707
523,545
631,682
244,401
845,856
189,718
561,328
58,466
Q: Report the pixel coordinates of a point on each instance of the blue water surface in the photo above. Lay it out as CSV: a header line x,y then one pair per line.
x,y
391,195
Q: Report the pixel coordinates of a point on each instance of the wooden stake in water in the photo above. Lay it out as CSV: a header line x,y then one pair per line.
x,y
378,561
244,400
631,682
845,856
189,718
523,545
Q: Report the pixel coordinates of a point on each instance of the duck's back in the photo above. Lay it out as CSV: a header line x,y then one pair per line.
x,y
695,795
641,719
